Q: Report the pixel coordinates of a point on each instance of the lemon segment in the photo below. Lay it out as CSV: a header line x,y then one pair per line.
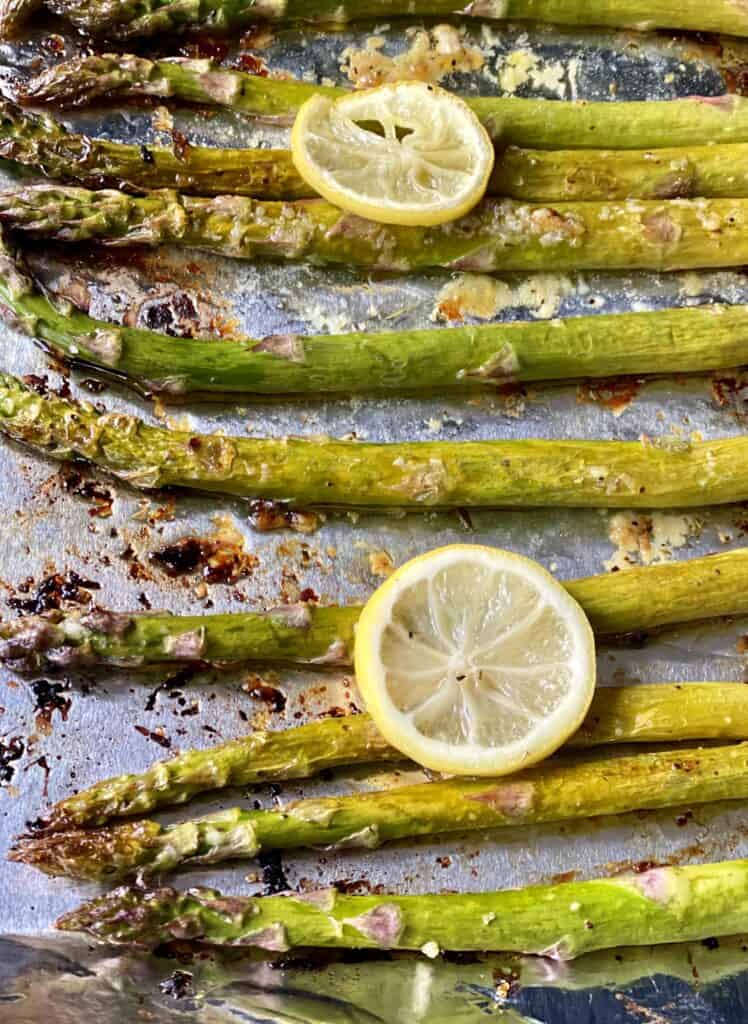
x,y
406,153
475,661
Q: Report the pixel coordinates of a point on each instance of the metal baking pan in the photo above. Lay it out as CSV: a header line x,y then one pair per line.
x,y
69,537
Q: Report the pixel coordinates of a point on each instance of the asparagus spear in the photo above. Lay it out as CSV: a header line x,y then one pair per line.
x,y
534,123
37,140
539,175
562,921
447,359
343,474
626,602
560,789
128,18
499,235
635,601
643,714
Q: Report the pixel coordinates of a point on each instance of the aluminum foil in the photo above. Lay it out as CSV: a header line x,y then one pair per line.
x,y
70,537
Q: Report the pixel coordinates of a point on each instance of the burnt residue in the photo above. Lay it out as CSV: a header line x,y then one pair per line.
x,y
218,559
11,750
53,591
273,876
48,698
172,683
613,393
174,313
157,737
731,393
94,386
258,689
74,481
42,387
178,985
272,515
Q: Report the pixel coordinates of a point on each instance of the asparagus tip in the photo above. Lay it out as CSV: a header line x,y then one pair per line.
x,y
87,853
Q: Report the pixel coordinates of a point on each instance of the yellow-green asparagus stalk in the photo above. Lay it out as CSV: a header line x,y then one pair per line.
x,y
560,789
323,472
635,601
532,123
561,921
498,235
124,19
660,712
440,359
532,174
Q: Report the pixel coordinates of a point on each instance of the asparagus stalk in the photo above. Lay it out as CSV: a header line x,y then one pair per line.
x,y
446,359
533,123
539,175
37,140
127,18
560,789
562,921
344,474
642,714
635,601
499,235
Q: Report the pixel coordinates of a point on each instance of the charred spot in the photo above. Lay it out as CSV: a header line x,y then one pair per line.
x,y
181,144
273,876
644,865
76,482
252,65
710,943
36,383
174,313
11,750
260,690
217,559
272,515
94,386
48,698
52,592
156,737
178,985
146,156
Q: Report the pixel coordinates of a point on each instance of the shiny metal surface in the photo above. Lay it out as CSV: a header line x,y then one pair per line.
x,y
51,523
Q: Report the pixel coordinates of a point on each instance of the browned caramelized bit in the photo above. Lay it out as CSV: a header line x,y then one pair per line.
x,y
271,515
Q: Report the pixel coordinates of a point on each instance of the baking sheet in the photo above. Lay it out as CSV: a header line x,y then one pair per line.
x,y
63,734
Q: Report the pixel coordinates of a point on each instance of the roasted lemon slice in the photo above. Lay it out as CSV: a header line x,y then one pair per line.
x,y
406,153
475,661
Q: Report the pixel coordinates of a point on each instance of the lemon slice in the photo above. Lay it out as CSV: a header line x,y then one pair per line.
x,y
406,153
475,661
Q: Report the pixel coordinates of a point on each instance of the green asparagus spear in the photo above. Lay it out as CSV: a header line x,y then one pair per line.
x,y
499,235
561,921
445,359
539,175
560,789
646,713
323,472
124,19
634,601
37,140
533,123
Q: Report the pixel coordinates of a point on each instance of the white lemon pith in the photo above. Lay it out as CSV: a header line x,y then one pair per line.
x,y
430,165
475,661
